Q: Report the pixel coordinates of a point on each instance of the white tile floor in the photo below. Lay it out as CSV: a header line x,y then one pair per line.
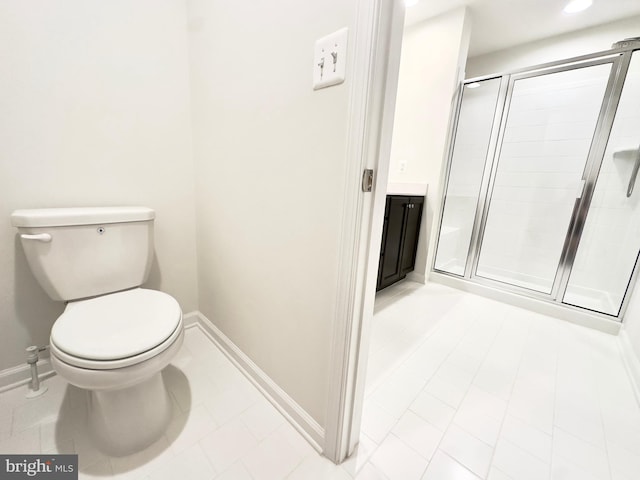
x,y
223,428
463,387
458,387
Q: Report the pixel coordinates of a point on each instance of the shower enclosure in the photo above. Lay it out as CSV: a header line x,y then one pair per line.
x,y
540,194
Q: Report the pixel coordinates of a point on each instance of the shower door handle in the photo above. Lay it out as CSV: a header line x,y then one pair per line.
x,y
634,174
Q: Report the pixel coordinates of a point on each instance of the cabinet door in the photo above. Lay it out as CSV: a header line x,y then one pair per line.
x,y
411,234
390,261
385,228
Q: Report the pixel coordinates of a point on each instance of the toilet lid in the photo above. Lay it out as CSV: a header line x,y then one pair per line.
x,y
116,326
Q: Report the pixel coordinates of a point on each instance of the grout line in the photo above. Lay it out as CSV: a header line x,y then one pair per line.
x,y
602,424
426,382
457,408
555,399
515,379
370,389
461,464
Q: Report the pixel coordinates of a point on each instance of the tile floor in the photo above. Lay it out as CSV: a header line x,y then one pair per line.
x,y
223,428
458,387
463,387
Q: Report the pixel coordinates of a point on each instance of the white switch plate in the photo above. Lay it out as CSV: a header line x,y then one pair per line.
x,y
330,59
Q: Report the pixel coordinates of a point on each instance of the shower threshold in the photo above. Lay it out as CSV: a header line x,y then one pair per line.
x,y
569,313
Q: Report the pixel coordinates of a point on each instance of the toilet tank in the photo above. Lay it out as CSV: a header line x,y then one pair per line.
x,y
84,252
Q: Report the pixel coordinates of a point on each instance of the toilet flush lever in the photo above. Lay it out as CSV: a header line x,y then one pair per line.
x,y
40,237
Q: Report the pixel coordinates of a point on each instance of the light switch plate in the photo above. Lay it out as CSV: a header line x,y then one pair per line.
x,y
330,59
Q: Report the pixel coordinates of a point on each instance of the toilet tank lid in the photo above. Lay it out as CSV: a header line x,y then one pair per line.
x,y
58,217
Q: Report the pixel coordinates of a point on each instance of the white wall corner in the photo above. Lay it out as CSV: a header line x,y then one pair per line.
x,y
287,406
462,20
191,318
465,41
631,361
567,45
417,277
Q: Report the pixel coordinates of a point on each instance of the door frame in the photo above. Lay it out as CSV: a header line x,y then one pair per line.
x,y
374,84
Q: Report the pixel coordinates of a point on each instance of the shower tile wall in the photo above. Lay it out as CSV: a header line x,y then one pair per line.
x,y
550,124
538,163
611,237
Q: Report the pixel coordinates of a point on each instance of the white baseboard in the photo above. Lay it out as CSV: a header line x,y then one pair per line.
x,y
297,416
15,377
303,422
631,361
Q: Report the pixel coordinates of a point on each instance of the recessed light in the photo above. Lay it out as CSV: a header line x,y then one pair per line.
x,y
473,85
575,6
410,3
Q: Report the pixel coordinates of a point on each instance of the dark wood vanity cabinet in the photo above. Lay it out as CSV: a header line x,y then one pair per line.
x,y
402,216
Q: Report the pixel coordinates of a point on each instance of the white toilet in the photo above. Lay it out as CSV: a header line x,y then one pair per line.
x,y
113,338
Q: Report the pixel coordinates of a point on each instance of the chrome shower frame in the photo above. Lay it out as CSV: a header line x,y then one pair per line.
x,y
619,58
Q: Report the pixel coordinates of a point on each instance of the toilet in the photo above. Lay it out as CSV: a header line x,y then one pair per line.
x,y
114,337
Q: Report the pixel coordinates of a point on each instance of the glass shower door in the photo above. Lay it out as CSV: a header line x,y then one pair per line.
x,y
538,174
610,241
469,157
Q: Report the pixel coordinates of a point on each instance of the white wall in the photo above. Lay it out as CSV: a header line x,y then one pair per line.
x,y
94,110
581,42
433,56
270,169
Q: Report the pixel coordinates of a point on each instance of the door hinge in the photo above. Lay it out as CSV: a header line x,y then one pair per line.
x,y
367,180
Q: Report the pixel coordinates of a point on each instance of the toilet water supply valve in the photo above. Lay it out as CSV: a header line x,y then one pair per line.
x,y
32,361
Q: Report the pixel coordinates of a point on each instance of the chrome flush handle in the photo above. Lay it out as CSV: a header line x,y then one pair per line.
x,y
40,237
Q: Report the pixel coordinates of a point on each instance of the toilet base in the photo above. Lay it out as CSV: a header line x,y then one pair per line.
x,y
125,421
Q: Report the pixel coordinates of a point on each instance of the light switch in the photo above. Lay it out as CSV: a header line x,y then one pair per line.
x,y
329,60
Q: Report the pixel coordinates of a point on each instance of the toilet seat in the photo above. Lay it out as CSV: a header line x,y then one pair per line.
x,y
116,330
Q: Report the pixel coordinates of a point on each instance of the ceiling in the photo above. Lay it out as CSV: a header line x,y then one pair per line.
x,y
498,24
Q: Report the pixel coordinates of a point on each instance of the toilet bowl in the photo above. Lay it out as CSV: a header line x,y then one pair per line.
x,y
115,346
113,338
